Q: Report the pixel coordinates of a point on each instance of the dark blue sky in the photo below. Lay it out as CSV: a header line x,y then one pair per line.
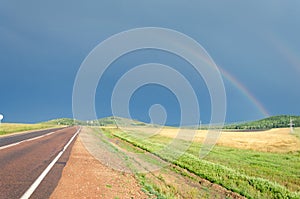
x,y
42,45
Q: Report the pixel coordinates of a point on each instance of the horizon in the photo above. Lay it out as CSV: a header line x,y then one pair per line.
x,y
254,45
170,125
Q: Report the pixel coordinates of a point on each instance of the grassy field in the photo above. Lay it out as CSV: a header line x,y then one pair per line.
x,y
250,169
8,128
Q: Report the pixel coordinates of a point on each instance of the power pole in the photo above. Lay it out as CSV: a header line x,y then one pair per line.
x,y
200,125
291,125
116,123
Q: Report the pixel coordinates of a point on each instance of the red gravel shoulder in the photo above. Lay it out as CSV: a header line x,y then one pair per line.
x,y
86,177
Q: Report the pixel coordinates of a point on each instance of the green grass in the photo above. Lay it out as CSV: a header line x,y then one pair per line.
x,y
109,186
8,128
249,173
281,168
151,188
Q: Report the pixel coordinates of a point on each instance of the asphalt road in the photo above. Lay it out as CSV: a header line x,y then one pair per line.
x,y
21,164
24,136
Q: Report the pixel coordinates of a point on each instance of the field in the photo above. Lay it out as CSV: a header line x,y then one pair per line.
x,y
262,164
274,140
8,128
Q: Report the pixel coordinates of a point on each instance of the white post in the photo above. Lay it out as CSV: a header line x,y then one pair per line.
x,y
1,118
291,125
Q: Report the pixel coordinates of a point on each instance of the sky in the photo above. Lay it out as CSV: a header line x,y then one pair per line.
x,y
255,44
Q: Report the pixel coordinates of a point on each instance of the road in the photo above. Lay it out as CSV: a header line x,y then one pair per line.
x,y
21,164
4,141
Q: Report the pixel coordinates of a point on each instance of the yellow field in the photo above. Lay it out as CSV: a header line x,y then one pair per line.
x,y
274,140
7,128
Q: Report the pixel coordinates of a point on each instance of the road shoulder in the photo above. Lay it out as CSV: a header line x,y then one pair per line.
x,y
86,177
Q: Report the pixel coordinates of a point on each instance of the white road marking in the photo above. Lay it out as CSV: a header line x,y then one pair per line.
x,y
38,181
30,139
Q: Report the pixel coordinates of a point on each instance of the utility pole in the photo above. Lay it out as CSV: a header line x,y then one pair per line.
x,y
291,125
116,123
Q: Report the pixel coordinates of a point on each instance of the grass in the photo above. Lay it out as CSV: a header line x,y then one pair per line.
x,y
280,168
109,186
252,174
151,188
8,128
283,168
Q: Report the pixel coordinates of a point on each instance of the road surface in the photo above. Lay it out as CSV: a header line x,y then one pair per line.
x,y
23,158
4,141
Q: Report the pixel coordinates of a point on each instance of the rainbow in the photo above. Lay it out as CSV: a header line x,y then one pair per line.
x,y
244,91
234,82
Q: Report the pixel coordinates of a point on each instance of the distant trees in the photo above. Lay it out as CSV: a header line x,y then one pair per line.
x,y
280,121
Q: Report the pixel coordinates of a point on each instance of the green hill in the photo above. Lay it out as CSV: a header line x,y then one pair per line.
x,y
281,121
100,122
64,121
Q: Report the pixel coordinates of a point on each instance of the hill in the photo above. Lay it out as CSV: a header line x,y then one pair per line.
x,y
64,121
280,121
100,122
